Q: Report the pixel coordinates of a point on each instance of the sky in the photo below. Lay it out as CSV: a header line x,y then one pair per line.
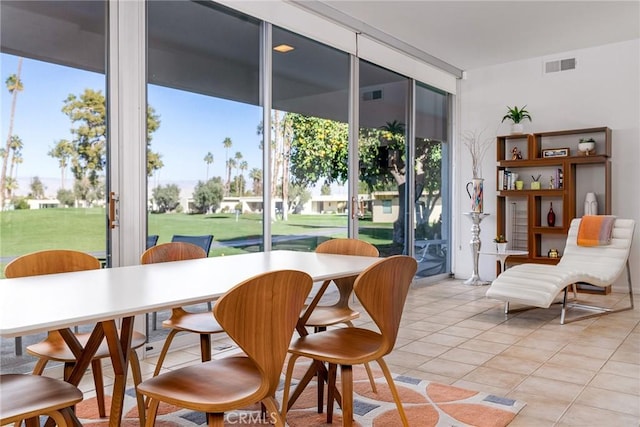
x,y
190,125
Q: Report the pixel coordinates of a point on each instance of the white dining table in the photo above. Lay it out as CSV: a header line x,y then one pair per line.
x,y
60,301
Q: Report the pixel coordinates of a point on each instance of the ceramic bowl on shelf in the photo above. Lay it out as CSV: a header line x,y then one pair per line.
x,y
586,146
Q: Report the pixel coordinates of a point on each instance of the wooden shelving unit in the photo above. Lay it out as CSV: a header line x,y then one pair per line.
x,y
580,174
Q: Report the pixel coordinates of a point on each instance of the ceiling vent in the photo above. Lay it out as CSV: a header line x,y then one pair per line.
x,y
372,95
559,65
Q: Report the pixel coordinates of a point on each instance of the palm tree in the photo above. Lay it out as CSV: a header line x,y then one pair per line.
x,y
14,85
256,178
237,158
63,152
208,159
16,154
243,167
231,164
227,144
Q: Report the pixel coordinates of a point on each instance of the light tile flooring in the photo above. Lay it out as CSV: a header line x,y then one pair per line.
x,y
585,373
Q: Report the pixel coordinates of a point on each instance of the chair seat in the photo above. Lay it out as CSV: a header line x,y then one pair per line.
x,y
215,386
26,396
330,315
201,323
351,346
57,349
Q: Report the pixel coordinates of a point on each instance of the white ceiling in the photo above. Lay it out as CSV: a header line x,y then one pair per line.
x,y
473,34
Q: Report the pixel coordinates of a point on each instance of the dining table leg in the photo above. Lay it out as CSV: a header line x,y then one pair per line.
x,y
120,351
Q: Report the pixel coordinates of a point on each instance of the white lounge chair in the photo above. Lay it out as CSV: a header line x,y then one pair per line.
x,y
540,285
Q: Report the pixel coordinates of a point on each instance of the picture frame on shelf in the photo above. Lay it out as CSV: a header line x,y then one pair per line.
x,y
555,152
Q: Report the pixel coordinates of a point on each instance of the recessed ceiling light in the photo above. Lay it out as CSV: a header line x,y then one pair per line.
x,y
283,48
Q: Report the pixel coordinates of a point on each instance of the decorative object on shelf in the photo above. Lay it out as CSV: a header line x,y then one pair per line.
x,y
516,154
516,115
501,244
478,147
555,152
587,146
476,195
551,216
552,183
590,204
519,185
553,253
535,184
476,219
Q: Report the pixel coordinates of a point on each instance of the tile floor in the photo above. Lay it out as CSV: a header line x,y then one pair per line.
x,y
585,373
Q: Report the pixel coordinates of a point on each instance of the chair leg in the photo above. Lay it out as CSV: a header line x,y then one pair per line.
x,y
346,377
163,352
331,384
18,345
152,412
273,415
215,420
96,368
287,384
394,391
40,365
366,366
205,347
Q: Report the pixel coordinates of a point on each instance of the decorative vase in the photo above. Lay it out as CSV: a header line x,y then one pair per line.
x,y
590,204
517,128
501,247
551,216
476,194
586,147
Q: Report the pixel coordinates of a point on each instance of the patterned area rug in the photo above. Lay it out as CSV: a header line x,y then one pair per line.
x,y
426,404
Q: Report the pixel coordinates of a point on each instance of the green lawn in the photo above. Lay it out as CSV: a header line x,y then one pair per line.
x,y
24,231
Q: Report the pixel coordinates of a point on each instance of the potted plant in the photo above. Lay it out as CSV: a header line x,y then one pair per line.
x,y
516,115
586,145
501,243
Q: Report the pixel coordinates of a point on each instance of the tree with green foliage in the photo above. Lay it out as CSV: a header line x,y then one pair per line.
x,y
63,151
167,198
66,197
87,113
255,174
37,188
208,159
15,147
14,86
298,196
207,196
227,143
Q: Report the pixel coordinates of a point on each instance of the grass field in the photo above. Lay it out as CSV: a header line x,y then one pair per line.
x,y
24,231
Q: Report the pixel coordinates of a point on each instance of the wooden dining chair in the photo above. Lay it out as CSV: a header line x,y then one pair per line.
x,y
382,289
182,320
322,316
204,241
260,315
53,347
26,397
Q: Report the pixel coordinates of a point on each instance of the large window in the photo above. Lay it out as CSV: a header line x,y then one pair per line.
x,y
309,126
54,134
432,199
382,149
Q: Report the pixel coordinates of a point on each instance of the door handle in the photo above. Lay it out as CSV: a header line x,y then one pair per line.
x,y
113,210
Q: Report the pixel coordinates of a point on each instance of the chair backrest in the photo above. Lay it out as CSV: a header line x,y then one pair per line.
x,y
346,247
203,241
50,262
152,240
382,289
602,263
260,315
173,251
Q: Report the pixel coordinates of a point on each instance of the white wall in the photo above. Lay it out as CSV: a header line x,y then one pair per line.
x,y
603,90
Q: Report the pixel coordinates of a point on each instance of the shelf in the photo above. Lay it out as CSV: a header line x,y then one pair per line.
x,y
580,174
557,192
